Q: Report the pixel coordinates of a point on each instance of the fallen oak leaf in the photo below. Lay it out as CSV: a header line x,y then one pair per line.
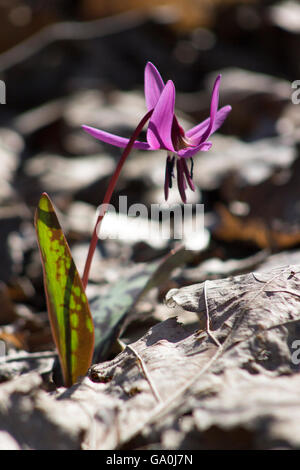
x,y
224,387
242,303
257,333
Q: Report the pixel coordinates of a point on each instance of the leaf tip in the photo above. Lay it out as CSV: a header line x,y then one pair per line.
x,y
45,203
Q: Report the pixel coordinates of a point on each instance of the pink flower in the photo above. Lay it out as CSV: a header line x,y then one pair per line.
x,y
165,132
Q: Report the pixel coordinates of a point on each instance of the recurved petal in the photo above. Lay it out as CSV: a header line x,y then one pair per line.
x,y
153,85
213,108
113,139
159,132
197,132
191,151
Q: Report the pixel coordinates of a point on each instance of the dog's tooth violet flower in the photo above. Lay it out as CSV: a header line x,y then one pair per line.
x,y
164,131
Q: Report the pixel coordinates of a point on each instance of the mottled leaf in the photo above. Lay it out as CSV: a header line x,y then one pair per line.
x,y
68,309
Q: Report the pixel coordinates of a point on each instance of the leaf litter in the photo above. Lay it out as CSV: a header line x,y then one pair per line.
x,y
255,317
229,380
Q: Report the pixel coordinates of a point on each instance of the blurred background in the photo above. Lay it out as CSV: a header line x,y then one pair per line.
x,y
67,63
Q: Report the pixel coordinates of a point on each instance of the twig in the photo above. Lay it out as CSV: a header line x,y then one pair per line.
x,y
209,332
146,374
69,30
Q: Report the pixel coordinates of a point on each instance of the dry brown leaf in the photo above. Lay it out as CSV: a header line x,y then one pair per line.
x,y
273,217
174,371
190,13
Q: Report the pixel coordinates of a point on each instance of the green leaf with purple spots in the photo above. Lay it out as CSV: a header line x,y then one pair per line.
x,y
68,309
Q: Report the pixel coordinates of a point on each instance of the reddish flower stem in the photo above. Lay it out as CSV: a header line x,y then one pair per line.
x,y
108,195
